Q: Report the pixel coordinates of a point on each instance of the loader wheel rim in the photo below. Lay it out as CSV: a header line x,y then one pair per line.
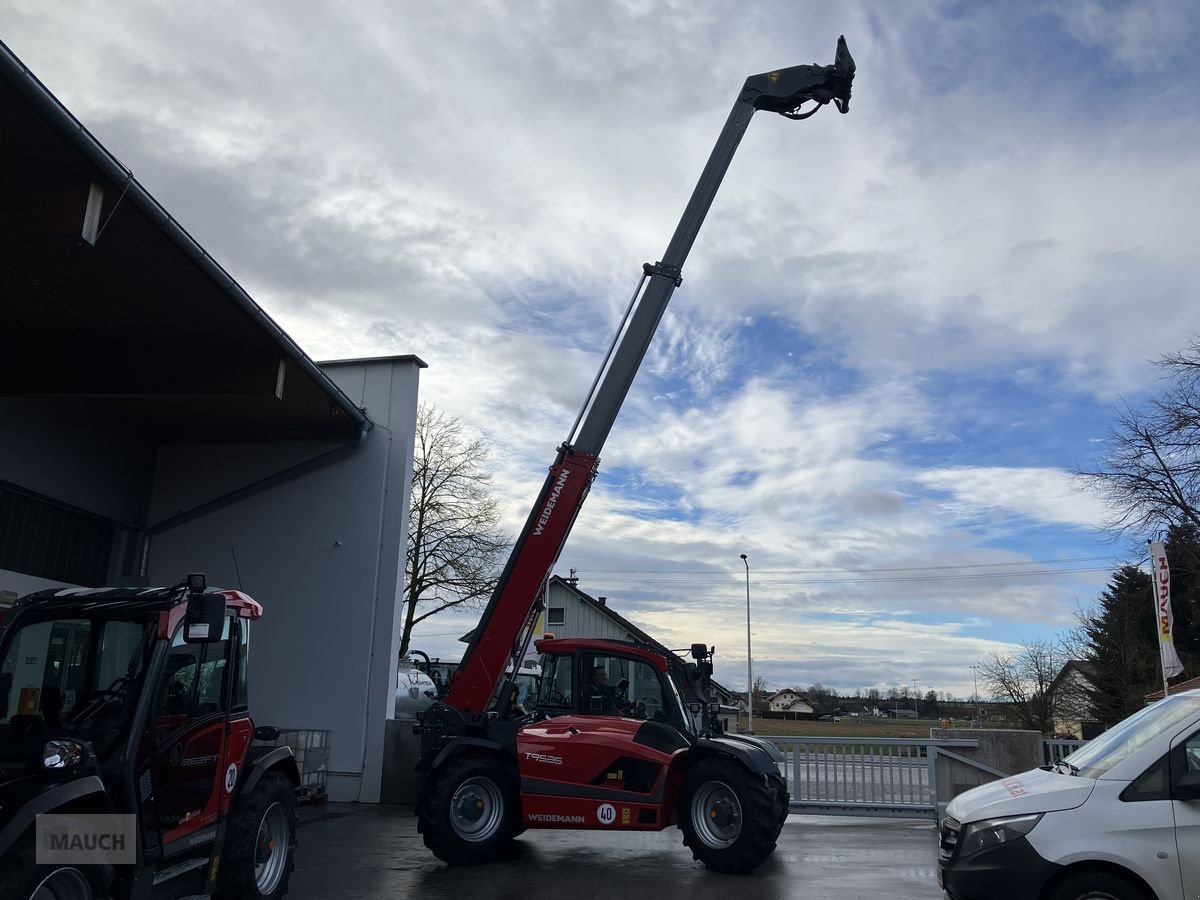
x,y
63,884
716,815
477,809
271,849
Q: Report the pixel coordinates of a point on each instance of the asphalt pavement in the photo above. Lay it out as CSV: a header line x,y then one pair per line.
x,y
355,851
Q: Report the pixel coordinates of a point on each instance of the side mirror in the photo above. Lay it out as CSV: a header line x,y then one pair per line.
x,y
205,619
266,733
1187,787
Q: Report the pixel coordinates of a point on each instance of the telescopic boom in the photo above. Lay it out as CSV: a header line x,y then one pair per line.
x,y
506,627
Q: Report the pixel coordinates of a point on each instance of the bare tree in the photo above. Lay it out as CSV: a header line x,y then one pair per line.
x,y
1151,472
455,550
1025,679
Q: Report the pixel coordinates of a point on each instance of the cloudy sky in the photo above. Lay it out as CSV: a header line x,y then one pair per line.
x,y
899,331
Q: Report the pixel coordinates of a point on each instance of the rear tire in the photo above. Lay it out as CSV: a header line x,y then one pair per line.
x,y
1096,886
260,842
468,811
729,817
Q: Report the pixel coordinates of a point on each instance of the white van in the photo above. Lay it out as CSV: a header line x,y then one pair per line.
x,y
1119,819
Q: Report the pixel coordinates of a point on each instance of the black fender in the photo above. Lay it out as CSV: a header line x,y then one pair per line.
x,y
758,756
461,744
57,797
272,759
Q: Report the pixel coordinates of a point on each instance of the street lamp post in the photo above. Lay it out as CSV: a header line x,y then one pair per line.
x,y
749,658
975,675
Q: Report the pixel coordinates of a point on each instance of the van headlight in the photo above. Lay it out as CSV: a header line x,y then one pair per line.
x,y
993,832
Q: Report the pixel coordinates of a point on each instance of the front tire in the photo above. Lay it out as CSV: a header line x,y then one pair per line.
x,y
260,842
1096,886
729,817
22,879
467,811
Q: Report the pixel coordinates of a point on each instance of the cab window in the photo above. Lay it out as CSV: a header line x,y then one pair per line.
x,y
616,685
241,693
555,692
194,682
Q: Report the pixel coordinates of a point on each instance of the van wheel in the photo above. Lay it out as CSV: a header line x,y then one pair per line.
x,y
1096,886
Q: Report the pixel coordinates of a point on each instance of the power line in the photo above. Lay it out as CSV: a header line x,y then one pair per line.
x,y
710,572
899,579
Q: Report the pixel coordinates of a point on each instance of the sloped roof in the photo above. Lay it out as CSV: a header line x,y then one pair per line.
x,y
1189,685
636,634
112,307
781,691
1084,667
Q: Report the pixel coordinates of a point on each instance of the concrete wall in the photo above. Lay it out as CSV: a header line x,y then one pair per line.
x,y
1007,752
323,553
402,749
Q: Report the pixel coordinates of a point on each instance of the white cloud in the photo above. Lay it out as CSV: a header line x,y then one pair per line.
x,y
480,187
1047,495
1140,36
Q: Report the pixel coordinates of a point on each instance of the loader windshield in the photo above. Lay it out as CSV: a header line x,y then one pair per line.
x,y
72,675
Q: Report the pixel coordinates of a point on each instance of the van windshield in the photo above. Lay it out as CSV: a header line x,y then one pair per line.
x,y
1097,757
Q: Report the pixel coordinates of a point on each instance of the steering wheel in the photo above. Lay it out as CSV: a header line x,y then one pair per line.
x,y
621,694
557,698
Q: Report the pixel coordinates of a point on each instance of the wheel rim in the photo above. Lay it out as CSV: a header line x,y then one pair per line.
x,y
63,884
271,849
477,809
717,815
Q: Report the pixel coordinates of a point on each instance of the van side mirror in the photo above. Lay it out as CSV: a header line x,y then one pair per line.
x,y
1187,787
205,619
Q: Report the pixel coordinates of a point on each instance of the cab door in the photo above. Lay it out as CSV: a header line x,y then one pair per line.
x,y
180,775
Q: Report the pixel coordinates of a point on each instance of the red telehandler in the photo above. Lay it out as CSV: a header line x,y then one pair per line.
x,y
610,744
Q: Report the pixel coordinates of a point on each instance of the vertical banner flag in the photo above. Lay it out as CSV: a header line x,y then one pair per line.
x,y
1161,573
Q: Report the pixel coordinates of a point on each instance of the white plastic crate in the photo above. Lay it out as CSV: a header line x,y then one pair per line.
x,y
310,746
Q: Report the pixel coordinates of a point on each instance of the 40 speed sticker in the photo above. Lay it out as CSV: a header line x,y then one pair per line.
x,y
606,814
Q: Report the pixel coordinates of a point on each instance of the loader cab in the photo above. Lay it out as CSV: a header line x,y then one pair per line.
x,y
607,678
145,693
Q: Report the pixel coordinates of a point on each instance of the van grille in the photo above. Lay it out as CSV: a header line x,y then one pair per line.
x,y
948,839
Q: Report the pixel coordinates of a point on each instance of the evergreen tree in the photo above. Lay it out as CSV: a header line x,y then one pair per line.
x,y
1122,643
1183,556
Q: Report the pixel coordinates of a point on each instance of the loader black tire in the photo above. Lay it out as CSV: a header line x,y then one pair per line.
x,y
729,817
21,877
782,809
468,810
260,820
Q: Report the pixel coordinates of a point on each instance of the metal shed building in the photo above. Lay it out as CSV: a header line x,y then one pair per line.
x,y
155,421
